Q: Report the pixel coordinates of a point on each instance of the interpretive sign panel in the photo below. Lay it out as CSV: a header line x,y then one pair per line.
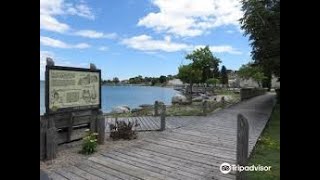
x,y
69,89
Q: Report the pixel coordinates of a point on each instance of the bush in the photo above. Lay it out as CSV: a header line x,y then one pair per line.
x,y
123,130
89,145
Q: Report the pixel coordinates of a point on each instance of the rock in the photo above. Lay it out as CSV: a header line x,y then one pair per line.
x,y
178,98
121,109
197,99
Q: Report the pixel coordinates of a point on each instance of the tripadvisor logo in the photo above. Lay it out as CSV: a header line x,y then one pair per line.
x,y
225,168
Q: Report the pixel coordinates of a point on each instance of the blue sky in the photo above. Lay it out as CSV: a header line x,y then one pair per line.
x,y
126,38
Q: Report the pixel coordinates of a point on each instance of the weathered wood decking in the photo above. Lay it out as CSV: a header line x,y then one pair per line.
x,y
150,123
190,148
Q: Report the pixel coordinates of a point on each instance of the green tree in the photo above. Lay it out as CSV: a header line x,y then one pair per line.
x,y
252,71
204,60
261,21
213,81
163,79
115,80
153,81
224,75
189,74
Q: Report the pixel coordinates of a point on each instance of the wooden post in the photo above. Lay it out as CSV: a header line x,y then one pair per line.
x,y
101,128
93,122
242,145
43,132
205,107
163,118
51,140
70,127
156,108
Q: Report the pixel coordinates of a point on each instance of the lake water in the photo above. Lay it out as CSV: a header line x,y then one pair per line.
x,y
133,96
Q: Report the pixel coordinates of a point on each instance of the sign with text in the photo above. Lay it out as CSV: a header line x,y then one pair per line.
x,y
69,89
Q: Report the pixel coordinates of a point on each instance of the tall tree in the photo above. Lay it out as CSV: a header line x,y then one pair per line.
x,y
116,80
224,75
204,60
162,79
189,74
261,21
252,71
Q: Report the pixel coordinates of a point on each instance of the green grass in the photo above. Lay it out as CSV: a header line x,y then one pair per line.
x,y
267,151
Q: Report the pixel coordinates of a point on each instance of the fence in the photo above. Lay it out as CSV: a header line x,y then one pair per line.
x,y
247,93
63,128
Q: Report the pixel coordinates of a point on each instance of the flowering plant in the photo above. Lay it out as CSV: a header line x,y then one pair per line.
x,y
89,145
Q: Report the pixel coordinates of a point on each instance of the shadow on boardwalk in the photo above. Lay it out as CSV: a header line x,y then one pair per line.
x,y
194,150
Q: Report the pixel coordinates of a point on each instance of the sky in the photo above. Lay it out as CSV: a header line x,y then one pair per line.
x,y
127,38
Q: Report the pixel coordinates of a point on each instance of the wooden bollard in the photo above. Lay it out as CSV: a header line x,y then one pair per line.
x,y
51,140
156,108
163,118
205,107
43,131
101,127
242,145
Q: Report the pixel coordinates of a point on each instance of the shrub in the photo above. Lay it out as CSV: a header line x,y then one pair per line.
x,y
89,145
123,130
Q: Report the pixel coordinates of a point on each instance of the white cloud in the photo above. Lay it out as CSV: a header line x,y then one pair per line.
x,y
146,43
81,10
49,23
58,61
189,18
47,41
230,32
94,34
49,9
221,49
103,48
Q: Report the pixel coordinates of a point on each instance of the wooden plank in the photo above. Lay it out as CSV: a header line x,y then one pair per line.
x,y
151,122
200,142
154,172
123,167
195,149
163,171
67,174
82,173
77,134
143,126
147,123
55,176
155,126
198,158
154,159
96,172
63,123
110,171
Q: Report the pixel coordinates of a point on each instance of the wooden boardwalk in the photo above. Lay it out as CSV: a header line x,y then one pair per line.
x,y
151,123
191,147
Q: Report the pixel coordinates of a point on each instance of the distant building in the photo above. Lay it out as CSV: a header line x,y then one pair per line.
x,y
174,82
235,82
125,82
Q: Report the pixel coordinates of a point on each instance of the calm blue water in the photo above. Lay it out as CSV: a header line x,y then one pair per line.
x,y
133,96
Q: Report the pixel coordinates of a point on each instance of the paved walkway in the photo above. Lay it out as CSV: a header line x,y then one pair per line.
x,y
192,151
